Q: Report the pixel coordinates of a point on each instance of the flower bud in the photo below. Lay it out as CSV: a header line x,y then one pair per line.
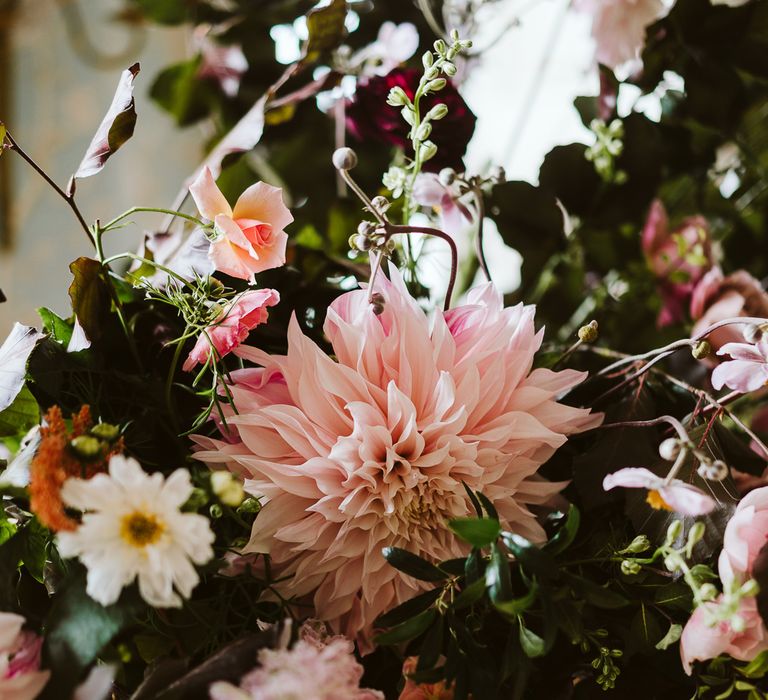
x,y
641,543
227,489
432,73
750,588
366,228
215,511
707,592
437,112
716,470
695,534
427,59
701,350
450,69
249,506
671,564
737,623
447,176
105,431
86,446
380,203
428,150
669,449
377,303
630,567
344,159
674,530
397,97
361,243
455,35
197,499
436,85
588,333
439,47
423,132
754,332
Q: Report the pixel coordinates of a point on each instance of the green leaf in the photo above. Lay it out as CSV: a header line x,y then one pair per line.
x,y
517,606
532,644
407,630
413,565
757,668
599,596
646,629
55,326
165,11
179,91
325,27
33,553
153,646
308,237
470,595
497,578
534,560
90,297
673,635
473,498
479,533
432,646
7,529
408,609
489,507
564,537
21,416
78,628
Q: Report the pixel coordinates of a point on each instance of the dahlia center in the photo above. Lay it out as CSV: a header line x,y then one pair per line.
x,y
141,529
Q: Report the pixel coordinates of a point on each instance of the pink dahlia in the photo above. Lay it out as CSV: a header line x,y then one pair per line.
x,y
371,449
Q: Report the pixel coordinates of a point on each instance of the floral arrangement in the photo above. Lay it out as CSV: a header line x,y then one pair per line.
x,y
269,455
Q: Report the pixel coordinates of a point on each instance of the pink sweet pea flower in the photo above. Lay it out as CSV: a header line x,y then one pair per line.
x,y
679,258
20,674
250,237
745,535
747,371
674,495
701,641
233,325
429,191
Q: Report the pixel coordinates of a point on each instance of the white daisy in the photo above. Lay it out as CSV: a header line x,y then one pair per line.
x,y
132,528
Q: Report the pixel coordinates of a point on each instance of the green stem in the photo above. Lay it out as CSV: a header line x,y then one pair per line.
x,y
169,385
139,258
135,210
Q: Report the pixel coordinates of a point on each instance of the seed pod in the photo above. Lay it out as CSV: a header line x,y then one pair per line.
x,y
344,158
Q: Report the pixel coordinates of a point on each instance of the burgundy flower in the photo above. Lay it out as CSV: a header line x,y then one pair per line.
x,y
369,117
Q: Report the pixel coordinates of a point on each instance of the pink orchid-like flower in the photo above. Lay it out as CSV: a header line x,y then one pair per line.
x,y
429,191
679,258
673,495
717,297
20,674
317,667
250,238
422,691
747,370
619,26
371,449
224,63
746,534
236,320
700,641
394,45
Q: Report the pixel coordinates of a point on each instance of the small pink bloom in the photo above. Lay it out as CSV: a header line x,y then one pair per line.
x,y
717,297
429,191
701,641
422,691
317,667
224,63
233,325
20,674
250,237
618,27
394,45
674,495
747,371
745,535
678,258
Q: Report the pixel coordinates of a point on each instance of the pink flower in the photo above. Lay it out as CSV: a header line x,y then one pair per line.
x,y
394,45
20,674
745,535
717,297
315,668
250,238
618,27
700,641
224,63
674,495
371,449
422,691
429,191
747,371
236,320
678,259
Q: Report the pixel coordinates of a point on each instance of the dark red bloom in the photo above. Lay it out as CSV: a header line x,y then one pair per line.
x,y
369,117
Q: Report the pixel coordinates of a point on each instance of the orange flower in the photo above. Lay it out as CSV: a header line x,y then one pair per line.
x,y
55,461
422,691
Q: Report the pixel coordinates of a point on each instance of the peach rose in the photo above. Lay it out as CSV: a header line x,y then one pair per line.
x,y
250,238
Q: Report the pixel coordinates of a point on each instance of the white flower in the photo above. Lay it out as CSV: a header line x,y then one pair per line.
x,y
133,528
394,45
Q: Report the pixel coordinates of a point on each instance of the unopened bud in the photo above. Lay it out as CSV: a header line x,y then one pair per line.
x,y
671,564
447,176
737,623
437,112
377,303
701,350
344,159
105,431
751,588
669,449
423,132
432,73
439,47
707,592
361,243
86,446
366,228
215,511
588,333
641,543
436,85
449,68
674,530
716,470
428,150
630,567
754,332
249,506
197,499
397,97
227,489
427,59
380,203
695,534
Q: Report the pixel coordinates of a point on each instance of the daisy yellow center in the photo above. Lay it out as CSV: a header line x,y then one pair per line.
x,y
141,529
656,502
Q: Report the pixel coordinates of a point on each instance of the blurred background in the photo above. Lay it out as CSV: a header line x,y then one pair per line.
x,y
59,64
